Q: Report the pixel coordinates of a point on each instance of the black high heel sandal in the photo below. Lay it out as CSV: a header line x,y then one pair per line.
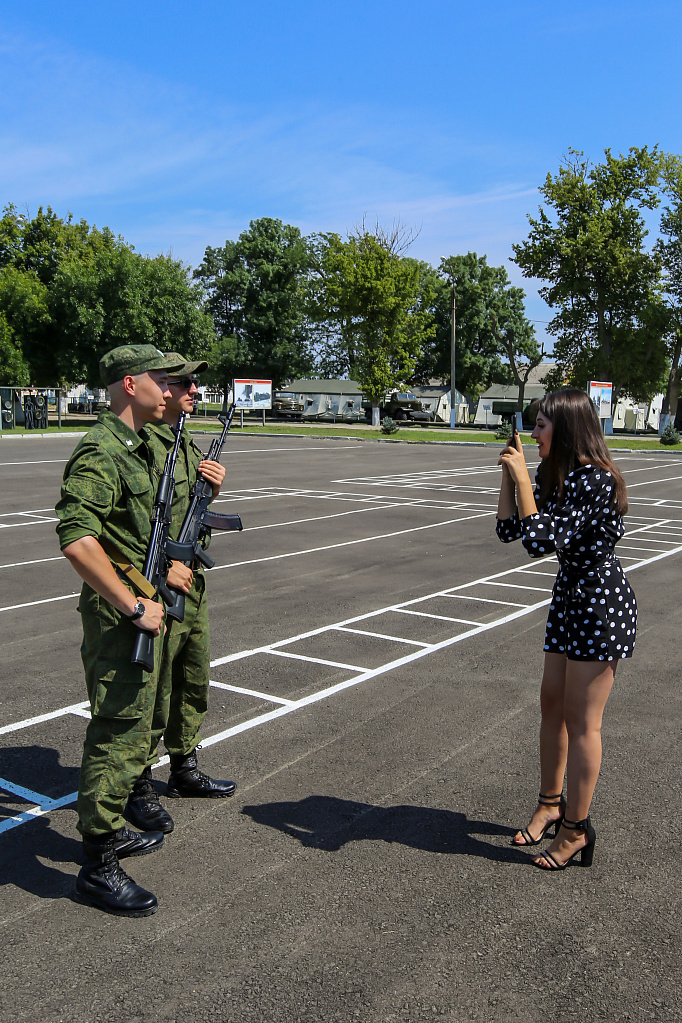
x,y
528,839
586,851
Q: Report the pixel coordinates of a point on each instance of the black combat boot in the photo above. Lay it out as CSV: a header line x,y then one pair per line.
x,y
144,810
187,780
130,843
103,883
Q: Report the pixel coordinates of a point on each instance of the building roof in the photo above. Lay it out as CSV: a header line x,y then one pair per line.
x,y
323,387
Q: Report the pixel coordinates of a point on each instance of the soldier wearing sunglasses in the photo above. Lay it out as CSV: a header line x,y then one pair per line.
x,y
182,694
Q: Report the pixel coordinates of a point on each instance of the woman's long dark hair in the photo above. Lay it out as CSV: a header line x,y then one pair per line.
x,y
577,439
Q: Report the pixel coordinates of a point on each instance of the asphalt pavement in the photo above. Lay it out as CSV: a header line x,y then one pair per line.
x,y
376,655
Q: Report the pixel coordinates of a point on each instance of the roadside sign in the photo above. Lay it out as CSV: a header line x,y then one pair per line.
x,y
255,394
601,393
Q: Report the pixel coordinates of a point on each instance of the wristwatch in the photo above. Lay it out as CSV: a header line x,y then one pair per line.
x,y
139,611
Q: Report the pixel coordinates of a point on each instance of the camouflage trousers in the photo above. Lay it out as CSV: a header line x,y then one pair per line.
x,y
122,701
182,692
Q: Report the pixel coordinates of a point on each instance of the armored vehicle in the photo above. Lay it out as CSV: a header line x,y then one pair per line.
x,y
286,403
400,406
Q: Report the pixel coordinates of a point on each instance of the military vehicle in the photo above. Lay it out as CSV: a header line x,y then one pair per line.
x,y
286,403
400,406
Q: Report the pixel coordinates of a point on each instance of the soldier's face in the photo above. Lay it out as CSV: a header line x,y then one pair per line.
x,y
182,391
151,391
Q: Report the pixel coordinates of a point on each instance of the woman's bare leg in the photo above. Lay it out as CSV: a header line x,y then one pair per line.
x,y
587,688
553,743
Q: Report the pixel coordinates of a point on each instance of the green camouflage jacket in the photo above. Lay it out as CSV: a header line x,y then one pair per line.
x,y
109,489
160,439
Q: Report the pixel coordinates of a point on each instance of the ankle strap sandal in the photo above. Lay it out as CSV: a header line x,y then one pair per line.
x,y
586,851
544,800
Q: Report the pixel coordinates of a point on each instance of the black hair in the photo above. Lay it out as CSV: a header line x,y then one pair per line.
x,y
577,439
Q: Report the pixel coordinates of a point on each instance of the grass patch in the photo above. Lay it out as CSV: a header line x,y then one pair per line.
x,y
411,434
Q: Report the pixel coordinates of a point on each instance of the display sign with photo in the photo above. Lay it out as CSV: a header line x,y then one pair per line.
x,y
601,392
255,394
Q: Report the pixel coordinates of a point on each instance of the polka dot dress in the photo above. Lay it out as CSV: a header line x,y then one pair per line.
x,y
593,612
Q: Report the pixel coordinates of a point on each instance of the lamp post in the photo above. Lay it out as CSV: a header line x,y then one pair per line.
x,y
453,399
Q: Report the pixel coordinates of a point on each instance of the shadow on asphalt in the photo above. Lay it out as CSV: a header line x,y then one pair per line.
x,y
24,850
329,823
22,862
36,768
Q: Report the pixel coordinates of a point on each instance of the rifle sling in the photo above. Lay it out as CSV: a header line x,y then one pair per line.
x,y
128,570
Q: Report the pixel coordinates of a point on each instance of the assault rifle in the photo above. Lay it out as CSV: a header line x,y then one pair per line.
x,y
198,523
156,563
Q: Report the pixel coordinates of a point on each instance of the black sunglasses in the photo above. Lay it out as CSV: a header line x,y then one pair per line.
x,y
185,382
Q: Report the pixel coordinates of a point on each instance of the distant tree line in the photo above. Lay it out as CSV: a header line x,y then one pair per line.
x,y
277,304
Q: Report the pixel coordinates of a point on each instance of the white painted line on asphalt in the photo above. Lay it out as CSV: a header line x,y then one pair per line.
x,y
483,600
519,586
43,461
348,543
250,692
38,561
367,674
532,571
650,483
46,806
18,790
75,708
315,660
378,635
425,614
33,603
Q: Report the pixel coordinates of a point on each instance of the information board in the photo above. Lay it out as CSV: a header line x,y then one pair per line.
x,y
601,392
255,394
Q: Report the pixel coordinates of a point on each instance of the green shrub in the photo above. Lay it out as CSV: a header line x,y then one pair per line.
x,y
504,431
670,435
388,425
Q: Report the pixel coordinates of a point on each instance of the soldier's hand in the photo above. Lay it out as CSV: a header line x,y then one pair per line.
x,y
152,619
214,473
180,577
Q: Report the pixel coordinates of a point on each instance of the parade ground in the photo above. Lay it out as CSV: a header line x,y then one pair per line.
x,y
375,664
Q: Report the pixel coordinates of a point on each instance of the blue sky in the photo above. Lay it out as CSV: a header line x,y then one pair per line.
x,y
175,124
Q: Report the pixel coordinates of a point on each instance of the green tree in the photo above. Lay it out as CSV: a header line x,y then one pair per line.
x,y
670,251
114,296
588,244
255,291
13,368
494,341
69,292
376,309
24,305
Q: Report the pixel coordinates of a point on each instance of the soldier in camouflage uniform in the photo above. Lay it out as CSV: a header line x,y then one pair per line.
x,y
104,512
182,693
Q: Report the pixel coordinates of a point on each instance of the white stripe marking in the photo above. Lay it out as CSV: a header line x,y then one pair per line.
x,y
250,692
75,708
379,635
33,603
315,660
425,614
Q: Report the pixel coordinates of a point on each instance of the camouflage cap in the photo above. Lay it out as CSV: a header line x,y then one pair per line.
x,y
129,360
189,367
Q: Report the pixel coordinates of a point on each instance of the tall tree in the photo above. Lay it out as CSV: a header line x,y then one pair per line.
x,y
670,251
255,290
588,244
376,309
69,292
494,341
114,297
13,368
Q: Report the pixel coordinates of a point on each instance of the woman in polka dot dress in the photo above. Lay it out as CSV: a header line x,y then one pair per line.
x,y
592,620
